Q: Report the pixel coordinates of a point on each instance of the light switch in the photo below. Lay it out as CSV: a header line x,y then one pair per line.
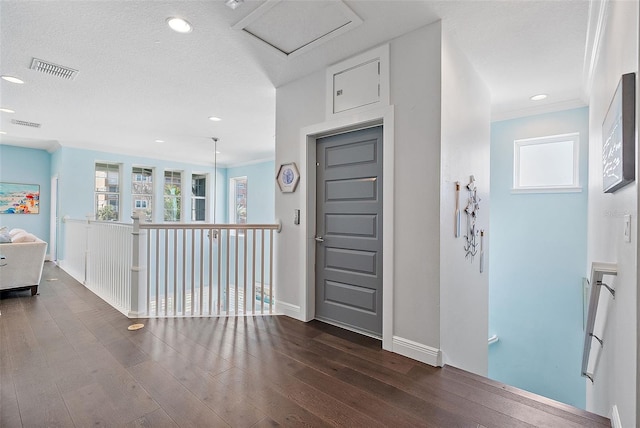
x,y
627,228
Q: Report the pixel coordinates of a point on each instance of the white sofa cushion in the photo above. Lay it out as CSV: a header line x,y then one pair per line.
x,y
23,237
14,232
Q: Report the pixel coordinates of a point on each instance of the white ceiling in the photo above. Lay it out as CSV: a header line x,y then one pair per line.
x,y
139,81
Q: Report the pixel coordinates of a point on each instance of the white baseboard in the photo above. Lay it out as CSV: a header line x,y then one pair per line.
x,y
417,351
288,309
615,417
136,314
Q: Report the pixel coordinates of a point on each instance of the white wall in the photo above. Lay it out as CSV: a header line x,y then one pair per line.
x,y
298,104
415,93
464,291
616,374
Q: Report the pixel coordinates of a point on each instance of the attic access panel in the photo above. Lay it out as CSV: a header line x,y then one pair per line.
x,y
295,27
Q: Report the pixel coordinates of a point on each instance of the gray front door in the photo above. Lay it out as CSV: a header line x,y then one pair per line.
x,y
349,230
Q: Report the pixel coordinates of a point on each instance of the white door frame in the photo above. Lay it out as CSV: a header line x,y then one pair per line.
x,y
379,116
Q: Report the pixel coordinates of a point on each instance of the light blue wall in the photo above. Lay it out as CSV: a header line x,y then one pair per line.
x,y
538,260
76,172
261,185
29,166
75,169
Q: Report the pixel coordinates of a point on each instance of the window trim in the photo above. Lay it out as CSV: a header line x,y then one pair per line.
x,y
179,197
574,187
96,192
204,198
232,196
137,196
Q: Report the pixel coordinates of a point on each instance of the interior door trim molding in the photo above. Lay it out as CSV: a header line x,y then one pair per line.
x,y
379,116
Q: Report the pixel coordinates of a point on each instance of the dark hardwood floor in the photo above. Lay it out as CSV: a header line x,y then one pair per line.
x,y
67,359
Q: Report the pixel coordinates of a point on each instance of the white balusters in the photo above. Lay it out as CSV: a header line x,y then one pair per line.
x,y
174,270
212,273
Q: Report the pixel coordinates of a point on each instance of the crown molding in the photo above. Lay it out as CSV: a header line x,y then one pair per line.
x,y
540,109
251,162
595,30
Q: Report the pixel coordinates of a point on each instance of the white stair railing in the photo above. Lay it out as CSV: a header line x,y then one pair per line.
x,y
184,270
174,270
98,254
598,272
109,262
75,249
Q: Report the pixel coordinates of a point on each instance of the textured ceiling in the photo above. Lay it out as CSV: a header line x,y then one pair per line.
x,y
523,48
139,81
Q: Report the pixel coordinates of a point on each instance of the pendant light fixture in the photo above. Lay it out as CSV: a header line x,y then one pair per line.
x,y
215,175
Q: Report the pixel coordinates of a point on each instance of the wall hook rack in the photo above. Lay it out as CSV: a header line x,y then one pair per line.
x,y
473,206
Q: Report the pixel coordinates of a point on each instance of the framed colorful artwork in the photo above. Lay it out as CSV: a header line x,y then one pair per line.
x,y
17,198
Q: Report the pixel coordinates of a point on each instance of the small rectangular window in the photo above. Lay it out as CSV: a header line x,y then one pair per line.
x,y
107,192
142,191
238,200
172,195
546,164
198,197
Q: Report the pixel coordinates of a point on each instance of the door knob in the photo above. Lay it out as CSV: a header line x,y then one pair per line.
x,y
319,239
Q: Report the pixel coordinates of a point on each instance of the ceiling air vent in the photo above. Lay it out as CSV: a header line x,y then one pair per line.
x,y
25,123
53,69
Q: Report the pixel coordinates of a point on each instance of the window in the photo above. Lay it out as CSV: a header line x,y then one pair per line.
x,y
546,164
142,191
172,195
107,192
238,200
198,197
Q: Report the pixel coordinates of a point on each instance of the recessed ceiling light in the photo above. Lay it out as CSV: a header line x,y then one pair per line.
x,y
218,152
159,141
7,110
214,119
12,79
179,25
538,97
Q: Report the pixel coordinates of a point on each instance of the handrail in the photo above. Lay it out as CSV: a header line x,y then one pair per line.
x,y
207,226
598,271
